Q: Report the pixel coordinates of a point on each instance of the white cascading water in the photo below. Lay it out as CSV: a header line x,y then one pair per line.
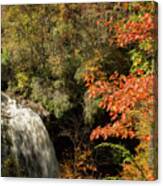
x,y
30,142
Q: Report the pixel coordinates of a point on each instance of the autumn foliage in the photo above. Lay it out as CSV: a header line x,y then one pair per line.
x,y
93,69
134,31
119,96
128,100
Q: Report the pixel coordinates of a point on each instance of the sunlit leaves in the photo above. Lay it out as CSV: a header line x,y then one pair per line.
x,y
118,98
133,31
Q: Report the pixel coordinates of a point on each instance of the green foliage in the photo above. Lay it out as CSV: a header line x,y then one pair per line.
x,y
51,95
143,57
59,104
118,153
112,178
22,80
90,111
5,57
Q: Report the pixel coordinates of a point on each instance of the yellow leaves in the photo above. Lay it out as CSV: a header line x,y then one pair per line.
x,y
89,79
57,66
125,5
67,169
22,80
62,9
76,52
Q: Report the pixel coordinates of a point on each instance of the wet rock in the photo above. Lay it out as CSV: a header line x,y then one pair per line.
x,y
26,148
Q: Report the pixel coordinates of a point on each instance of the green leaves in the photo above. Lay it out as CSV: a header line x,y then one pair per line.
x,y
52,94
5,56
117,154
22,80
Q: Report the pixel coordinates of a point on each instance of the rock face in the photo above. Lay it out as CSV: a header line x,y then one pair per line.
x,y
26,149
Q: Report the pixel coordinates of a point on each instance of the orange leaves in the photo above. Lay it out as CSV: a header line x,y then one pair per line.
x,y
119,95
129,29
98,22
83,165
123,117
115,130
103,22
139,72
146,138
91,74
129,100
89,79
131,172
114,76
133,31
122,93
95,134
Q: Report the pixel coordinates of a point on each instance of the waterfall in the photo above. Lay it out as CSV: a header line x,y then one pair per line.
x,y
26,140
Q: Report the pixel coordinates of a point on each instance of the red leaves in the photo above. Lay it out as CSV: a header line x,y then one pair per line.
x,y
128,31
115,130
129,100
122,96
123,117
95,134
98,22
139,72
118,96
147,138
